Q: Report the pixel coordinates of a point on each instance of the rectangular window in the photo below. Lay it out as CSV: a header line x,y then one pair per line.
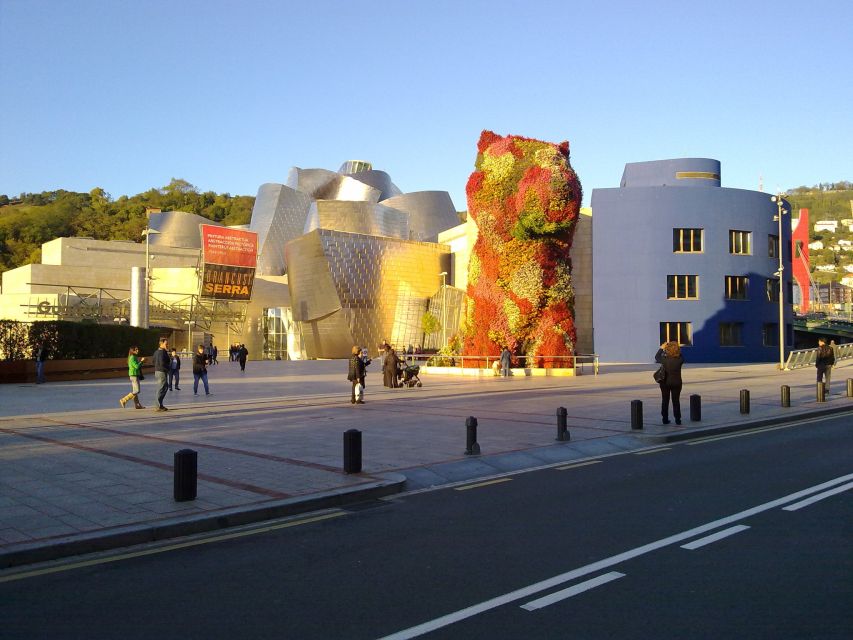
x,y
740,242
772,246
680,332
731,334
682,287
772,289
770,334
687,240
736,287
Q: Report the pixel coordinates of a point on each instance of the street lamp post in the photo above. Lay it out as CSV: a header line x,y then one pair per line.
x,y
443,275
780,210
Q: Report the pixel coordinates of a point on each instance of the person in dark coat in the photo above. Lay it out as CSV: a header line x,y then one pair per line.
x,y
161,372
40,355
356,373
390,366
670,358
174,370
200,361
824,361
242,355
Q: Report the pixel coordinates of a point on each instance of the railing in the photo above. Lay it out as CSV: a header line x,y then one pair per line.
x,y
807,357
576,362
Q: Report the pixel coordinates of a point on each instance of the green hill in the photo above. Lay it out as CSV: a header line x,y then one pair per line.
x,y
33,218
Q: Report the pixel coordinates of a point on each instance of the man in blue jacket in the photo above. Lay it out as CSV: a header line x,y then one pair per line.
x,y
161,372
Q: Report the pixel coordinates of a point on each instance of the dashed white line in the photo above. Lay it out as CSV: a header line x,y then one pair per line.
x,y
725,533
568,576
533,605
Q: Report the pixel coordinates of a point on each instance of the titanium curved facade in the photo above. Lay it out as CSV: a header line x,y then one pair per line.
x,y
360,256
677,256
177,229
350,288
430,213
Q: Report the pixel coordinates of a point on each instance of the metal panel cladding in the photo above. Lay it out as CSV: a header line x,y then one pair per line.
x,y
354,289
430,212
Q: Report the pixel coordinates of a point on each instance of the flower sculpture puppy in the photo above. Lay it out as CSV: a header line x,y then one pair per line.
x,y
525,198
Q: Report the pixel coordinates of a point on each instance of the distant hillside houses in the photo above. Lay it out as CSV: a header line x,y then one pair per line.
x,y
826,225
817,244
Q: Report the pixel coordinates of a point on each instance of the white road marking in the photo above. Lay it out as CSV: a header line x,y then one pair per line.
x,y
725,533
579,464
820,496
606,563
533,605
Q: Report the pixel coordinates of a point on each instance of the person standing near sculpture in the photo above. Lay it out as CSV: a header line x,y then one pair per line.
x,y
161,372
389,367
506,361
134,371
670,358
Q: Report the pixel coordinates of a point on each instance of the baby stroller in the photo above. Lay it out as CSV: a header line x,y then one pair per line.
x,y
410,375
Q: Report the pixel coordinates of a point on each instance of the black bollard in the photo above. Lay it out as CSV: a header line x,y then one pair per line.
x,y
472,448
850,387
186,475
636,414
821,392
744,400
352,451
695,408
786,395
562,426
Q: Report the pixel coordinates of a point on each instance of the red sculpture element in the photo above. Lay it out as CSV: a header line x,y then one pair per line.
x,y
800,257
525,198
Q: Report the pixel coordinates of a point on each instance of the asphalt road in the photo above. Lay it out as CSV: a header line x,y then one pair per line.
x,y
742,536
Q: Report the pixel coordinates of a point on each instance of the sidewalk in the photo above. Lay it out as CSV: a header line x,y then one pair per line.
x,y
80,474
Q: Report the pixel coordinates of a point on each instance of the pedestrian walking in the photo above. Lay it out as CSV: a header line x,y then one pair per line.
x,y
214,353
174,370
40,355
242,356
670,358
506,361
134,371
356,375
200,361
823,362
161,372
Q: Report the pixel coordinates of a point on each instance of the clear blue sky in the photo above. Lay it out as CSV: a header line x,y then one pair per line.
x,y
126,94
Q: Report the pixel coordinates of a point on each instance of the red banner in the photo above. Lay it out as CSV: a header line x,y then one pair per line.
x,y
230,257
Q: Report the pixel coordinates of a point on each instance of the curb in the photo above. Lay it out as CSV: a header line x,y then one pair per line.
x,y
702,432
391,483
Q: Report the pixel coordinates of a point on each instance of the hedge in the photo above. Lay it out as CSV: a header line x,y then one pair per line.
x,y
73,340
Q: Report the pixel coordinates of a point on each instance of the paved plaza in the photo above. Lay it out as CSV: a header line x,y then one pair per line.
x,y
78,473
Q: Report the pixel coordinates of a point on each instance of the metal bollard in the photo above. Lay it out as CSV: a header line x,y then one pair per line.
x,y
695,408
186,475
636,414
472,448
850,387
352,451
562,425
821,392
786,395
744,400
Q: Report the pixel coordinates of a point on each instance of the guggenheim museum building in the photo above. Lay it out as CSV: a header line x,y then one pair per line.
x,y
346,258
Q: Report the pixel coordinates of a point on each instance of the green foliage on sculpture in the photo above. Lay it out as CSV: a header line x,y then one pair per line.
x,y
525,199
